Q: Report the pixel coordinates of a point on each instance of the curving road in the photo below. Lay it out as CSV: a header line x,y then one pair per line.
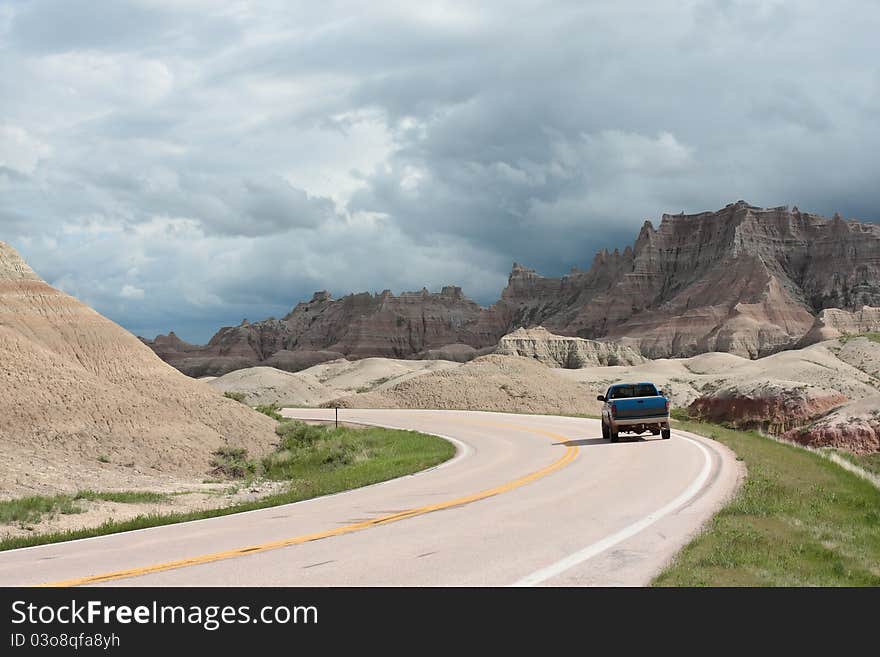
x,y
527,500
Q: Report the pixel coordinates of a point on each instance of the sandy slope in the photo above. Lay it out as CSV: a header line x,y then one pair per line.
x,y
76,387
493,382
803,382
267,385
776,393
827,366
323,382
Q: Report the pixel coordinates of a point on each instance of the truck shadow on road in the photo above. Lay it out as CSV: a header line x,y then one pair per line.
x,y
588,442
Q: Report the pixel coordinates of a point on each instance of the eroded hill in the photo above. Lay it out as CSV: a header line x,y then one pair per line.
x,y
743,280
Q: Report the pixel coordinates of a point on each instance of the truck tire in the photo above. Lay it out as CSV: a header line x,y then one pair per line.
x,y
605,431
665,434
613,435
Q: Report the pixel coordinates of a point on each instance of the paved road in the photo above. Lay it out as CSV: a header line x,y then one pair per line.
x,y
527,500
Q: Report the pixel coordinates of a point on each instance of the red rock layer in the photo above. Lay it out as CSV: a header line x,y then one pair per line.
x,y
776,414
858,437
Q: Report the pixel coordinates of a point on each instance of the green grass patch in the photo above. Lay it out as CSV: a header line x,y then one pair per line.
x,y
122,497
32,509
29,510
272,410
799,520
680,414
869,462
232,463
315,460
237,396
872,336
327,458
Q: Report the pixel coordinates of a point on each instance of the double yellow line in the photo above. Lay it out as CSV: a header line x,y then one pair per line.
x,y
571,452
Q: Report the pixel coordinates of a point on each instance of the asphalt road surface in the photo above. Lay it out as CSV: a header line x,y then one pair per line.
x,y
527,500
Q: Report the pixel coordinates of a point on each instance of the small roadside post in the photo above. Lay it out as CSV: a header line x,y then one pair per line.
x,y
337,416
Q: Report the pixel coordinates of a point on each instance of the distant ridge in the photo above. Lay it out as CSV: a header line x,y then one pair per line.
x,y
745,280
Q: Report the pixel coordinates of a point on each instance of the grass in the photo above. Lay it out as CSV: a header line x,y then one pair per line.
x,y
679,414
231,463
327,459
122,497
237,396
799,520
372,385
272,410
872,336
31,509
869,462
316,460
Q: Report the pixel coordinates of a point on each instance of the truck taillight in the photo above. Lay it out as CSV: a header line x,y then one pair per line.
x,y
613,410
667,405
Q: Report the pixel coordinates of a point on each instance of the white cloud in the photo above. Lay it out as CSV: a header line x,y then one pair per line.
x,y
20,150
227,163
7,15
171,228
115,78
633,152
131,292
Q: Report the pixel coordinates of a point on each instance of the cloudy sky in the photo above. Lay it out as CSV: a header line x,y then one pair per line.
x,y
179,166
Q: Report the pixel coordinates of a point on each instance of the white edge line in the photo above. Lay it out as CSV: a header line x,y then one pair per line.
x,y
462,450
610,541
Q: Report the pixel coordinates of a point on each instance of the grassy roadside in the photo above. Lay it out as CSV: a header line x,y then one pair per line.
x,y
799,520
868,462
31,509
314,460
872,336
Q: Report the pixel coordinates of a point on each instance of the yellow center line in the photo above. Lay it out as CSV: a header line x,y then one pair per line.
x,y
571,452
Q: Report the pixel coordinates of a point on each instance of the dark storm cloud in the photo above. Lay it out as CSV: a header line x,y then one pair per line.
x,y
197,166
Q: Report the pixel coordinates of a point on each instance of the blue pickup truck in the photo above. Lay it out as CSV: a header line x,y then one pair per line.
x,y
634,408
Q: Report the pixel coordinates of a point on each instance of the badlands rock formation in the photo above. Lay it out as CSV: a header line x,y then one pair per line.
x,y
493,382
793,388
776,393
267,385
562,351
321,383
834,322
235,348
772,404
854,427
744,280
77,387
413,324
460,353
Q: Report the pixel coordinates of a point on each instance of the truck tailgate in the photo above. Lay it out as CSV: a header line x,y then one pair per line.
x,y
640,407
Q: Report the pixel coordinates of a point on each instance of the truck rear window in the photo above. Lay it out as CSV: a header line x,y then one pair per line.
x,y
622,392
